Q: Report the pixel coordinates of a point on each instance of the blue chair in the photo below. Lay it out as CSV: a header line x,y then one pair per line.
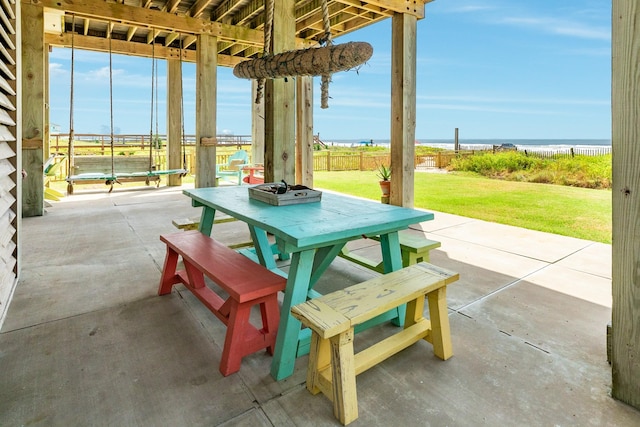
x,y
232,170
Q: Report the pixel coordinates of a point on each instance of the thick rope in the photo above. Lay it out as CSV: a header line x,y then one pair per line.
x,y
268,30
326,78
326,24
153,61
182,135
113,167
71,133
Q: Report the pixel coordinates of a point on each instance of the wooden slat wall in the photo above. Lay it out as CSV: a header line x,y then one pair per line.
x,y
9,210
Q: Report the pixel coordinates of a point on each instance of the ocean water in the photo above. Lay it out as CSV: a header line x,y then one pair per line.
x,y
477,144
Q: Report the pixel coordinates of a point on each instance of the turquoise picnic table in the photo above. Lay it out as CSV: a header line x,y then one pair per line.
x,y
313,234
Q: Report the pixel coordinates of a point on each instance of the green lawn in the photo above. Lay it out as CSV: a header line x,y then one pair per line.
x,y
568,211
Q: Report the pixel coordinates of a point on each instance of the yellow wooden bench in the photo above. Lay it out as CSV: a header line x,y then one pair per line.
x,y
333,366
187,224
194,223
414,247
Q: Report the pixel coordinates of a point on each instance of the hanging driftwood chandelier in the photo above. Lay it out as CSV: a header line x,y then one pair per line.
x,y
315,61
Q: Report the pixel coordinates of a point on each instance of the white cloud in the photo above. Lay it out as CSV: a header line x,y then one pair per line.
x,y
560,27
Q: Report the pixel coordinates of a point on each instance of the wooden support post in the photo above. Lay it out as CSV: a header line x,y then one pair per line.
x,y
279,127
403,108
33,101
625,105
174,119
304,131
206,88
257,126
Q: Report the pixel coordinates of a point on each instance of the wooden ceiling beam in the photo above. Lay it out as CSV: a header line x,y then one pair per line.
x,y
171,6
188,41
411,7
131,31
170,38
153,18
151,36
122,47
249,11
225,9
198,8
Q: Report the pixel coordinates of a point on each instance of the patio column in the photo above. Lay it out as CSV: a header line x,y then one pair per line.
x,y
625,103
257,125
279,126
33,124
174,119
206,90
304,131
403,108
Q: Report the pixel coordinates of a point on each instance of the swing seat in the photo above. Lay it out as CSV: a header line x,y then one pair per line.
x,y
97,169
233,169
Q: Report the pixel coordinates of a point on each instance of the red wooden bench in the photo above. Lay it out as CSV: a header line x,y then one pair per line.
x,y
246,282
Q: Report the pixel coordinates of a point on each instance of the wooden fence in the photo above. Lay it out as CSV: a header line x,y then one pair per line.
x,y
567,153
323,160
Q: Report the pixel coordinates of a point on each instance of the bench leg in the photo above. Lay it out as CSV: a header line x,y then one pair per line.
x,y
440,330
415,312
242,337
343,372
237,327
270,312
410,258
319,360
168,278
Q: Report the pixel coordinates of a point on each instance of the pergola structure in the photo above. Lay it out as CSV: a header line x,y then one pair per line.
x,y
215,33
224,32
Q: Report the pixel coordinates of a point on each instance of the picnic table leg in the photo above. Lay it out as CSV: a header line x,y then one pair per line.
x,y
392,260
323,259
284,356
206,220
263,247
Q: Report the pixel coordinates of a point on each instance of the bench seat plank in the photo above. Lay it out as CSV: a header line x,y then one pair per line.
x,y
225,266
342,309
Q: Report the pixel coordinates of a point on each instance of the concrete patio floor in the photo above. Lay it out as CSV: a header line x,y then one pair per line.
x,y
88,342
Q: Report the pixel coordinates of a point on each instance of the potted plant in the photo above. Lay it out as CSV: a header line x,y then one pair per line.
x,y
384,173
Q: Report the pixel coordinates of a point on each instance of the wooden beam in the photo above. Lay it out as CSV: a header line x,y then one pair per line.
x,y
280,102
170,38
225,8
171,6
206,88
257,125
403,108
188,41
151,36
131,32
198,8
174,119
304,131
625,109
138,16
33,116
406,7
99,44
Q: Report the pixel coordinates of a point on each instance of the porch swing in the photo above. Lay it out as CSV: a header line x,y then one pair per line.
x,y
131,168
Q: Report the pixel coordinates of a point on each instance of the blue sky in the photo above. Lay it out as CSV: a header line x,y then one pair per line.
x,y
495,69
